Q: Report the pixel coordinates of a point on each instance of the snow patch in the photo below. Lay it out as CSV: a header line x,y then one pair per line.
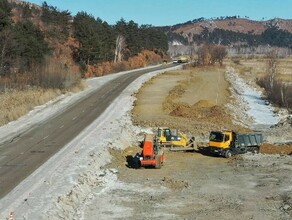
x,y
250,106
176,43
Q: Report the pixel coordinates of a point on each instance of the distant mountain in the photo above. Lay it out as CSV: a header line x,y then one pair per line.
x,y
231,32
242,25
239,25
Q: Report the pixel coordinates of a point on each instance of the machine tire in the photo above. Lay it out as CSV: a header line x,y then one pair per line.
x,y
161,155
227,154
158,162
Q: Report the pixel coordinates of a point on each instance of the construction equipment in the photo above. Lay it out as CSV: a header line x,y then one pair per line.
x,y
177,142
228,143
183,59
151,156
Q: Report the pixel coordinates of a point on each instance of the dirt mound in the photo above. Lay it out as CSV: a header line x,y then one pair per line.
x,y
122,157
169,102
276,149
202,110
181,110
203,104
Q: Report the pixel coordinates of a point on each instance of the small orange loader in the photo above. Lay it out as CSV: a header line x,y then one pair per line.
x,y
151,156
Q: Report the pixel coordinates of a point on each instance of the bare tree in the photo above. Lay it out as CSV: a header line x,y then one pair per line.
x,y
204,55
272,67
277,90
210,54
218,53
120,45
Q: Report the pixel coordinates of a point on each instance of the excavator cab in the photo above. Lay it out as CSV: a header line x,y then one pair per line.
x,y
165,134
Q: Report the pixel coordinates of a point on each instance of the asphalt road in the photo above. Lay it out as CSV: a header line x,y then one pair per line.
x,y
23,154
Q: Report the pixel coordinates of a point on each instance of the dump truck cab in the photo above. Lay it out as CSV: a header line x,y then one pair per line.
x,y
221,139
220,142
183,59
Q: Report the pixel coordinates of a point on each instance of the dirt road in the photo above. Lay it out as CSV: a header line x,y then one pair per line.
x,y
195,185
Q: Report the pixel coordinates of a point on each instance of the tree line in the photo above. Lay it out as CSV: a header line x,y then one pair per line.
x,y
28,41
272,36
98,40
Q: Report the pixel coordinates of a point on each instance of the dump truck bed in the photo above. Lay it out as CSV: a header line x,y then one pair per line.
x,y
250,140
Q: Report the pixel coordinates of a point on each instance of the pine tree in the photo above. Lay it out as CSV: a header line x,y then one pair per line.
x,y
5,14
31,45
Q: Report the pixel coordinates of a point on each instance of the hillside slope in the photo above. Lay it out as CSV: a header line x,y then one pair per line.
x,y
242,25
240,35
79,43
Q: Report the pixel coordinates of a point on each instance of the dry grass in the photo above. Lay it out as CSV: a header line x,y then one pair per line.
x,y
15,104
20,93
18,103
140,60
257,67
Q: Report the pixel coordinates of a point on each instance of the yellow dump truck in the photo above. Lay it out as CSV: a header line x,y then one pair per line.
x,y
183,59
228,143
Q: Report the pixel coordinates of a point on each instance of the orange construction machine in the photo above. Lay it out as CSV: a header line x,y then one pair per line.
x,y
151,156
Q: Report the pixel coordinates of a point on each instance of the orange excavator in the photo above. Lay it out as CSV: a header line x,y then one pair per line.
x,y
151,156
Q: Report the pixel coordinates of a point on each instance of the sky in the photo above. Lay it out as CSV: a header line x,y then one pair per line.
x,y
171,12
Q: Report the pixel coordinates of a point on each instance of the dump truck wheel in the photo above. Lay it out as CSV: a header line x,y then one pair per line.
x,y
158,162
256,150
228,154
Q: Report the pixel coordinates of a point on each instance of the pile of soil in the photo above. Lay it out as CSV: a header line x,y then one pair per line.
x,y
203,110
123,158
276,149
169,102
203,104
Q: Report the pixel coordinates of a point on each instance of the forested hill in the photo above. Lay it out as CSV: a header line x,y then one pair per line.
x,y
36,39
231,31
